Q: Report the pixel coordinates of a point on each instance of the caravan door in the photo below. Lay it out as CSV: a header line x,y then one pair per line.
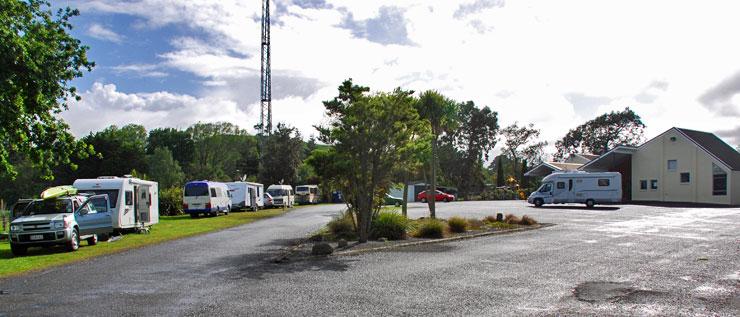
x,y
143,203
252,198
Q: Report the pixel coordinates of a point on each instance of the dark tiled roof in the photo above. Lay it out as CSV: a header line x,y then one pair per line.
x,y
589,156
715,146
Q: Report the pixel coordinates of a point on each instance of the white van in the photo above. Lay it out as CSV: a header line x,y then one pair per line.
x,y
133,203
246,195
282,195
307,194
204,197
578,187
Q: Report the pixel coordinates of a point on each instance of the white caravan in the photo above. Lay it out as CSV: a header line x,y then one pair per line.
x,y
204,197
282,195
246,195
307,194
579,187
133,202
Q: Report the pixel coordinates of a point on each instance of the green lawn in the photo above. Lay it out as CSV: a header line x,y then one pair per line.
x,y
169,228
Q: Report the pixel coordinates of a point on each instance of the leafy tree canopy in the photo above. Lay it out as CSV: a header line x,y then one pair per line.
x,y
602,133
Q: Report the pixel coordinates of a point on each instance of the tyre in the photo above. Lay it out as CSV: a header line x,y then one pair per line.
x,y
590,203
447,200
103,237
194,215
18,250
74,242
539,202
92,240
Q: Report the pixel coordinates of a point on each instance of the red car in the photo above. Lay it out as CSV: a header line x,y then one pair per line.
x,y
439,197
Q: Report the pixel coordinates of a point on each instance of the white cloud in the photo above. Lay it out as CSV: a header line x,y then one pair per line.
x,y
657,57
142,70
101,32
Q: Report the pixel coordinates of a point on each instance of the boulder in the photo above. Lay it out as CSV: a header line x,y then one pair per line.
x,y
342,243
321,248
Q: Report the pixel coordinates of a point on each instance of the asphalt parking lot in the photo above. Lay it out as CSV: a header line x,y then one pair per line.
x,y
610,260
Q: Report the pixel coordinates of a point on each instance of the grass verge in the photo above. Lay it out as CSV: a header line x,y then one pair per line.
x,y
169,228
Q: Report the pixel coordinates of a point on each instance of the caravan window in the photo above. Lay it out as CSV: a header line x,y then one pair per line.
x,y
213,192
112,195
561,185
603,182
129,196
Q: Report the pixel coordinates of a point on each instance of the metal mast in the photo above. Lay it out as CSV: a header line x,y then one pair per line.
x,y
266,79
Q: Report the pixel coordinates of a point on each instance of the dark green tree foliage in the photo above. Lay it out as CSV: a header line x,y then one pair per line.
x,y
179,142
27,184
602,133
120,151
522,142
476,138
283,155
164,169
38,61
322,163
500,178
215,151
525,180
370,134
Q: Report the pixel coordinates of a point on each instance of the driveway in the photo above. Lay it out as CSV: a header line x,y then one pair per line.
x,y
614,260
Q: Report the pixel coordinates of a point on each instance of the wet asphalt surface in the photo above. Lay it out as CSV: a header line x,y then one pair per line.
x,y
613,260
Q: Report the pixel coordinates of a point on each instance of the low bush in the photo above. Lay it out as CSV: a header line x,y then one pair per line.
x,y
389,224
511,219
527,221
343,226
457,224
170,201
475,224
490,218
430,228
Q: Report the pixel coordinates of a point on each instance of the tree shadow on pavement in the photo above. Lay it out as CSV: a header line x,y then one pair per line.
x,y
596,208
260,265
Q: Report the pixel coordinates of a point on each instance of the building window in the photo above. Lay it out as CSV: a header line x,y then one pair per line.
x,y
653,184
643,184
561,185
672,165
719,181
685,178
603,182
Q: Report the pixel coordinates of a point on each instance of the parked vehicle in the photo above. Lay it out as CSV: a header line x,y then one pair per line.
x,y
307,194
61,220
439,196
204,197
16,210
391,200
267,200
282,195
578,187
246,196
133,202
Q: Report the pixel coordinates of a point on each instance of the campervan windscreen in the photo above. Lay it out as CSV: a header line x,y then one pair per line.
x,y
50,206
196,189
277,192
112,197
301,189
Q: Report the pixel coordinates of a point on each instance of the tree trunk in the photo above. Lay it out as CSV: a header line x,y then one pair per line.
x,y
404,206
431,193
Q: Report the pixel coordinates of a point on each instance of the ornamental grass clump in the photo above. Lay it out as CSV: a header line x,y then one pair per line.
x,y
511,219
343,226
490,219
527,221
475,224
457,224
430,228
390,225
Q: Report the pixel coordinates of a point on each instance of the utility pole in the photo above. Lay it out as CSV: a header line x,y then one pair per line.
x,y
266,78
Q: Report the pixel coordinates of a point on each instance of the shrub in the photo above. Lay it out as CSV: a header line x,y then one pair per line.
x,y
475,224
170,201
490,218
343,226
527,221
430,228
389,224
457,224
511,219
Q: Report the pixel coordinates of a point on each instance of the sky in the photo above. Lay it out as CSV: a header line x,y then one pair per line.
x,y
556,64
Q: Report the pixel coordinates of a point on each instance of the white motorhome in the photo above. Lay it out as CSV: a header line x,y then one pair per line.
x,y
578,187
282,195
133,202
307,194
207,198
246,195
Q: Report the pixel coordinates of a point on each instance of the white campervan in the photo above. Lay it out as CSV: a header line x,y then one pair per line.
x,y
578,187
307,194
133,202
246,195
204,197
282,195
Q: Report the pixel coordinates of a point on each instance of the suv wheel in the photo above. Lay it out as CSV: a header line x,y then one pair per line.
x,y
92,240
18,250
74,243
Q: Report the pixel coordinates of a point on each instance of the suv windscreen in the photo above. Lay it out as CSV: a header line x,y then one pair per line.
x,y
51,206
197,189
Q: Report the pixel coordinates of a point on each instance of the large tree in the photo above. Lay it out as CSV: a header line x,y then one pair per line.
x,y
602,133
441,114
370,134
179,142
38,61
120,151
476,138
282,156
164,169
522,142
215,150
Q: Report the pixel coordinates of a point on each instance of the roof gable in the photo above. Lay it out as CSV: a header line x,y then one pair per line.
x,y
714,146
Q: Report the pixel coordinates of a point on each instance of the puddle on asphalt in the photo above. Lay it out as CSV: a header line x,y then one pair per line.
x,y
615,292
